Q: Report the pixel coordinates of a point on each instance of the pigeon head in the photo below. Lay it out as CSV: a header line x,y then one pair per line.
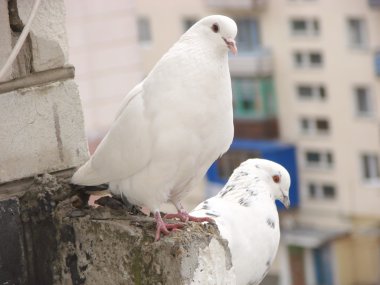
x,y
218,30
274,174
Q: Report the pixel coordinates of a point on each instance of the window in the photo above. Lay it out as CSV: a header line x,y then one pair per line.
x,y
316,159
248,36
322,125
314,126
231,160
313,157
315,59
356,33
363,104
304,27
311,92
312,190
144,31
253,98
328,191
299,59
321,190
299,26
370,168
308,59
188,23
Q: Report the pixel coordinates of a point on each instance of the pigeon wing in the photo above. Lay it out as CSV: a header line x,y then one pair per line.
x,y
126,148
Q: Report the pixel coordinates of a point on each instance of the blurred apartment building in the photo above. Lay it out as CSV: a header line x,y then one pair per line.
x,y
105,52
308,75
307,72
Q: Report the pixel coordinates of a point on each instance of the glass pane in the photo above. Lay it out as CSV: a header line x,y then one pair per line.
x,y
298,59
299,26
356,32
362,100
305,124
247,37
143,27
322,92
366,166
328,191
316,26
313,157
268,97
312,190
315,58
329,158
322,125
305,91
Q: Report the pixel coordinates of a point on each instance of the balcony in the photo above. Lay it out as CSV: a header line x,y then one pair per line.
x,y
374,3
256,63
263,129
236,4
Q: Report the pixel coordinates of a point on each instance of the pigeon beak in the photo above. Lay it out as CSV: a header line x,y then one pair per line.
x,y
231,44
285,200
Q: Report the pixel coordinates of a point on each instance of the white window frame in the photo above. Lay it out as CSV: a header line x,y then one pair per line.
x,y
309,31
364,32
306,60
315,92
374,180
370,98
312,126
323,163
319,194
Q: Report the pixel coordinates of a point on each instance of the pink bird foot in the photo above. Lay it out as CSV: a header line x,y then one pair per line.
x,y
184,217
162,227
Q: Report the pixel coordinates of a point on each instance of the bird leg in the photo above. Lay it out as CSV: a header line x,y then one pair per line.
x,y
185,217
162,227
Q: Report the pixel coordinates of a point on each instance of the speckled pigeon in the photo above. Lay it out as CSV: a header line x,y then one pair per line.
x,y
246,215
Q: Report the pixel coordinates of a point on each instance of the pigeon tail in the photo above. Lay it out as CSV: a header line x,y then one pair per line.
x,y
86,175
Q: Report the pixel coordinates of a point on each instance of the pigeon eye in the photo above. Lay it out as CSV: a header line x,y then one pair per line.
x,y
215,28
276,178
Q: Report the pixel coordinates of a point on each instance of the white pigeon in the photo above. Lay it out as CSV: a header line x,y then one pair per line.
x,y
172,126
246,215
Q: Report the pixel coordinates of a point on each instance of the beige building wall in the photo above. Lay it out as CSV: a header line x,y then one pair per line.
x,y
344,67
166,20
104,50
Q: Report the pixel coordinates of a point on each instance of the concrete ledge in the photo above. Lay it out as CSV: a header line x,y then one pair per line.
x,y
64,244
38,78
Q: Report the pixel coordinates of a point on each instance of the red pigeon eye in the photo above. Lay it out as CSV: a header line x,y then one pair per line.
x,y
215,28
276,178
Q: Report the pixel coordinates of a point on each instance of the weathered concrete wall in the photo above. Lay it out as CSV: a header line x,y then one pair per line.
x,y
41,129
41,120
54,242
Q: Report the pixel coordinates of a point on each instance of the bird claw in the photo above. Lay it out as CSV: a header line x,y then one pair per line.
x,y
165,229
185,217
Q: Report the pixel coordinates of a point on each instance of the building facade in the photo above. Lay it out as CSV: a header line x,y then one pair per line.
x,y
104,49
